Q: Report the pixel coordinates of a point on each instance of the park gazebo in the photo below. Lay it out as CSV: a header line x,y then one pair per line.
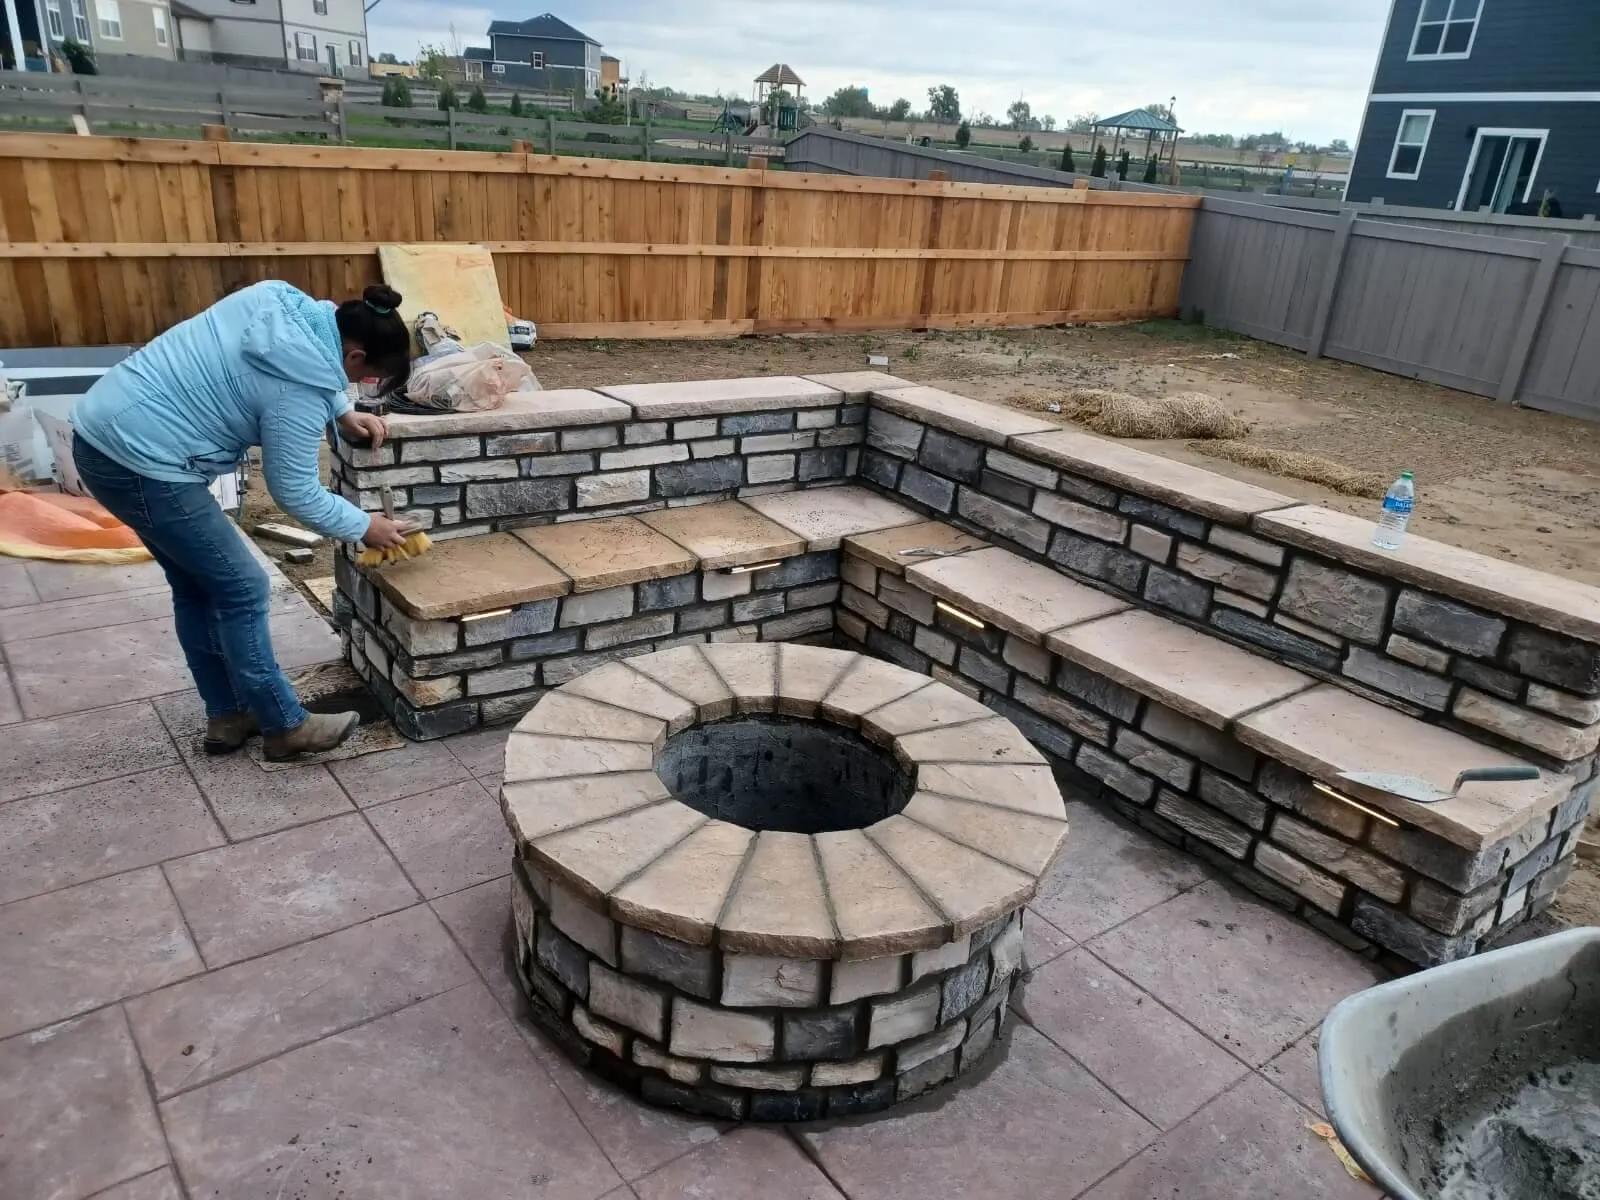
x,y
775,80
1135,121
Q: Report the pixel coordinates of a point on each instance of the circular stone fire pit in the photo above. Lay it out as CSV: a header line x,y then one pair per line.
x,y
772,882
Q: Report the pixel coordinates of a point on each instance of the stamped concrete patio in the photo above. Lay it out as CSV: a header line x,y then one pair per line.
x,y
220,981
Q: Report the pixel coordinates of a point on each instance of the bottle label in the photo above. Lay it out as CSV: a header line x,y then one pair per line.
x,y
1400,506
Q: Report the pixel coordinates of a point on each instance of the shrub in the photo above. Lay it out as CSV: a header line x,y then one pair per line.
x,y
402,93
79,57
516,104
1150,169
1099,168
1026,144
448,98
478,102
1124,161
1067,163
963,134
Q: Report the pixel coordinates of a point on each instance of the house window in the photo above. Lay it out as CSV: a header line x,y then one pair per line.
x,y
497,68
52,12
1410,140
320,7
1445,28
536,60
110,20
159,16
474,68
355,53
80,21
305,47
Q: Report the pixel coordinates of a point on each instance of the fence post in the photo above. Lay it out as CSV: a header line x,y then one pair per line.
x,y
645,146
227,110
83,102
550,130
213,133
450,127
1544,281
1322,316
344,123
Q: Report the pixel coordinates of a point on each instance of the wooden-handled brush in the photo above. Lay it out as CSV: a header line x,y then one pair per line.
x,y
417,542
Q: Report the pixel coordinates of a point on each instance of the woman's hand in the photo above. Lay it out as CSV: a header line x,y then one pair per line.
x,y
360,426
383,533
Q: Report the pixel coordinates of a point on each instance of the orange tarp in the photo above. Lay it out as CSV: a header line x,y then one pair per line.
x,y
65,528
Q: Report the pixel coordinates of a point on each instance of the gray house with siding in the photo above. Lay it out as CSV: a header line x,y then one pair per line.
x,y
1484,104
543,54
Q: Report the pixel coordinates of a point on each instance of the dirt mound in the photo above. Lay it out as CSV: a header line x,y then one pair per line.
x,y
1120,414
1293,464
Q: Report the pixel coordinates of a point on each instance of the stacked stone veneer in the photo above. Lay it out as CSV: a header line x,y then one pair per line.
x,y
751,1036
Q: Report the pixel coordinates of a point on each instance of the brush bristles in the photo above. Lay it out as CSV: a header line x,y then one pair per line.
x,y
415,544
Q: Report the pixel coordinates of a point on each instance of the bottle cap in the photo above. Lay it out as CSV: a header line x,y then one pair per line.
x,y
1406,475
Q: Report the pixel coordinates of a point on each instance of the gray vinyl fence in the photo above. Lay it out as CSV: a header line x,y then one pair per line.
x,y
1512,318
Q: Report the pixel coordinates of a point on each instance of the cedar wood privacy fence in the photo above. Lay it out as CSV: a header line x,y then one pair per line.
x,y
113,240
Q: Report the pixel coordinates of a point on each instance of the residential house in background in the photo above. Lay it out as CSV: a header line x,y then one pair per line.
x,y
319,37
1484,104
111,27
610,75
542,54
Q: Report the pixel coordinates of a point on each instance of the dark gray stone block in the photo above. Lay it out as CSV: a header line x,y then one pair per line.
x,y
695,478
826,463
668,593
1112,564
1238,802
1406,936
1487,678
1115,774
823,1033
753,608
424,724
962,988
800,569
884,646
951,456
1447,623
1524,872
1003,487
893,435
562,957
518,498
1436,858
1023,528
853,414
880,468
1181,593
1556,658
1085,489
708,617
1275,638
861,1098
435,494
984,670
705,1100
564,642
1043,734
688,968
1096,690
768,422
925,488
930,1074
1152,513
807,1105
1340,601
1396,678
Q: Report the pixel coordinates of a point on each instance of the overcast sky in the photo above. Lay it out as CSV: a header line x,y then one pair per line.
x,y
1236,66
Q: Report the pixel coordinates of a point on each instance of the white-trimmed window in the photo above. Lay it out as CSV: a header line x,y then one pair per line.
x,y
305,47
110,20
159,16
52,14
355,53
80,21
497,68
474,68
536,59
1410,142
320,7
1445,28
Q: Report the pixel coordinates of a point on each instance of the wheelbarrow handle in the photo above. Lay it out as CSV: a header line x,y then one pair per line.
x,y
1493,774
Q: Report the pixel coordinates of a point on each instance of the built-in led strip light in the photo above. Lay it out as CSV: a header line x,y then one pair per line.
x,y
765,566
486,616
959,615
1359,807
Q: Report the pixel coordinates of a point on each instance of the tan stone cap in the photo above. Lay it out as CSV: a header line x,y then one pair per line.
x,y
1328,730
584,804
976,419
1026,598
825,516
522,412
469,575
895,549
1178,484
1549,601
858,385
711,397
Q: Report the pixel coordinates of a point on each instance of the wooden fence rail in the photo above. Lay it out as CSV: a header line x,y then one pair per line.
x,y
107,240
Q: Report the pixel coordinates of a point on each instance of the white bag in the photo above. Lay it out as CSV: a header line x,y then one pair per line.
x,y
469,380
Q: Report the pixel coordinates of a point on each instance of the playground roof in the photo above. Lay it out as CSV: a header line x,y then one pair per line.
x,y
780,73
1141,119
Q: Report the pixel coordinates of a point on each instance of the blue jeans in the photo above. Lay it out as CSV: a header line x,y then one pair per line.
x,y
220,594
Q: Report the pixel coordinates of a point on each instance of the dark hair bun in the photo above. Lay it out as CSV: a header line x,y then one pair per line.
x,y
380,296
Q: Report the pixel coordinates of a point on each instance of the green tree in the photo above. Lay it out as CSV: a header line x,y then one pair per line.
x,y
848,102
430,62
1150,169
1083,122
448,98
1157,109
1066,159
1020,114
516,104
963,135
1339,146
1047,123
1098,170
899,110
607,110
388,59
477,102
402,93
387,98
1124,161
1026,144
944,103
79,57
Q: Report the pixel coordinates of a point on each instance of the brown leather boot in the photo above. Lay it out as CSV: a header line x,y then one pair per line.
x,y
318,732
226,734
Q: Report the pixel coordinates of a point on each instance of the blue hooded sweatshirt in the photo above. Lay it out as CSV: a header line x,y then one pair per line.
x,y
263,367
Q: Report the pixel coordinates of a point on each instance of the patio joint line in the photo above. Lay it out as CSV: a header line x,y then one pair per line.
x,y
155,1102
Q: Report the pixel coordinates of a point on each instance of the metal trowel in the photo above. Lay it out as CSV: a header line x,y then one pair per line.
x,y
1414,787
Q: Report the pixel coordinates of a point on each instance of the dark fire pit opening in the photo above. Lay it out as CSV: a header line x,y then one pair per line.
x,y
783,774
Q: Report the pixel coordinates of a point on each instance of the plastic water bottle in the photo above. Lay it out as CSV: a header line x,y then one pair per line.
x,y
1397,504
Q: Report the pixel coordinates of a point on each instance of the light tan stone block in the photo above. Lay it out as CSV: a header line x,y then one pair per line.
x,y
969,888
706,397
685,672
750,670
855,1070
1027,788
681,1070
762,980
558,408
766,1079
702,1031
559,714
1024,598
866,977
941,958
884,548
778,905
584,924
597,857
680,894
878,910
995,740
1556,738
931,707
976,419
1026,842
869,684
619,684
470,575
534,756
729,534
592,1029
823,516
609,552
627,1002
1326,892
805,675
534,808
903,1017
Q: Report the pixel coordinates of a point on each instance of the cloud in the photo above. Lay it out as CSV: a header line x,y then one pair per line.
x,y
1235,65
